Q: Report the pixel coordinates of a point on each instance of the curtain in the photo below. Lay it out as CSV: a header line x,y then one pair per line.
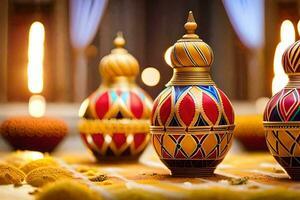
x,y
247,19
85,17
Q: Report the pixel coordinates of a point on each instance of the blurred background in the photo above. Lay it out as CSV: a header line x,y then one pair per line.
x,y
50,49
244,43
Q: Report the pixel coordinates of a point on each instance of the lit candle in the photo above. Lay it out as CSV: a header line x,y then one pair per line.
x,y
37,103
287,37
35,132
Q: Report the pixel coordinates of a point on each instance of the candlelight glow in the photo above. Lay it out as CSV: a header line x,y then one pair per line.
x,y
36,57
287,37
37,106
167,56
298,27
150,76
32,155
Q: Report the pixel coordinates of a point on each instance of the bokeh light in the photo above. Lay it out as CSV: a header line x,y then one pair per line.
x,y
150,76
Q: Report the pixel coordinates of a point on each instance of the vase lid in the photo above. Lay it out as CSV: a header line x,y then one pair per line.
x,y
119,62
291,59
190,50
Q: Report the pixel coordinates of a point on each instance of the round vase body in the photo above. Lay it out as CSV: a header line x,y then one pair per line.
x,y
282,116
192,128
282,128
114,109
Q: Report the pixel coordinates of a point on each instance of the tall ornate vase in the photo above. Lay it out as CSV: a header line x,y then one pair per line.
x,y
282,116
114,122
192,120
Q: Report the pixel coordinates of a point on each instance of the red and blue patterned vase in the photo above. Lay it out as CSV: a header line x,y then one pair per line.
x,y
192,120
282,116
114,122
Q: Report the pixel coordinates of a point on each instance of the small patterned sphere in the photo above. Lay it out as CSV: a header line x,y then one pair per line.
x,y
291,59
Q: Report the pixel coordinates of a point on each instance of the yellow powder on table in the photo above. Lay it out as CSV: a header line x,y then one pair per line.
x,y
10,175
67,190
43,175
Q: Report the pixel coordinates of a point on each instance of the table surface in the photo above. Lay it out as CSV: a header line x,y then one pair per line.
x,y
150,179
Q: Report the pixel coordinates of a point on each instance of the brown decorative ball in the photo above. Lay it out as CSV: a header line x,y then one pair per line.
x,y
36,134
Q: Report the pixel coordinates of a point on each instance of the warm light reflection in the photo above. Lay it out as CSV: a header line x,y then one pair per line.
x,y
298,27
287,37
83,107
150,76
167,56
36,57
37,106
31,155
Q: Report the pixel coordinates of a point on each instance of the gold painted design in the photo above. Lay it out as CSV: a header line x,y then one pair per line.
x,y
294,82
119,62
110,126
190,145
191,58
191,129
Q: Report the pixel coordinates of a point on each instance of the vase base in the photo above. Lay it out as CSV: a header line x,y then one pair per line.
x,y
294,173
193,172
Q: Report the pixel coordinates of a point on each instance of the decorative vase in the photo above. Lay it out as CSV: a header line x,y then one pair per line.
x,y
192,120
115,121
282,116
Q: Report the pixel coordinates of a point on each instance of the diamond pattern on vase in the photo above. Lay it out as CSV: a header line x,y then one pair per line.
x,y
186,109
272,105
289,104
188,145
284,106
98,140
119,104
198,147
118,144
190,108
284,143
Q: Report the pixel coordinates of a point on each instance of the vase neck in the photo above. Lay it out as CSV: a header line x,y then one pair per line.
x,y
191,76
294,81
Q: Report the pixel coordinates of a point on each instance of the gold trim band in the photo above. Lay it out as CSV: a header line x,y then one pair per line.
x,y
281,125
294,81
110,126
191,76
187,130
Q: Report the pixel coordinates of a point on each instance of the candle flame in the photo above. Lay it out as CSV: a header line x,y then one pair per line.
x,y
36,57
37,106
287,37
